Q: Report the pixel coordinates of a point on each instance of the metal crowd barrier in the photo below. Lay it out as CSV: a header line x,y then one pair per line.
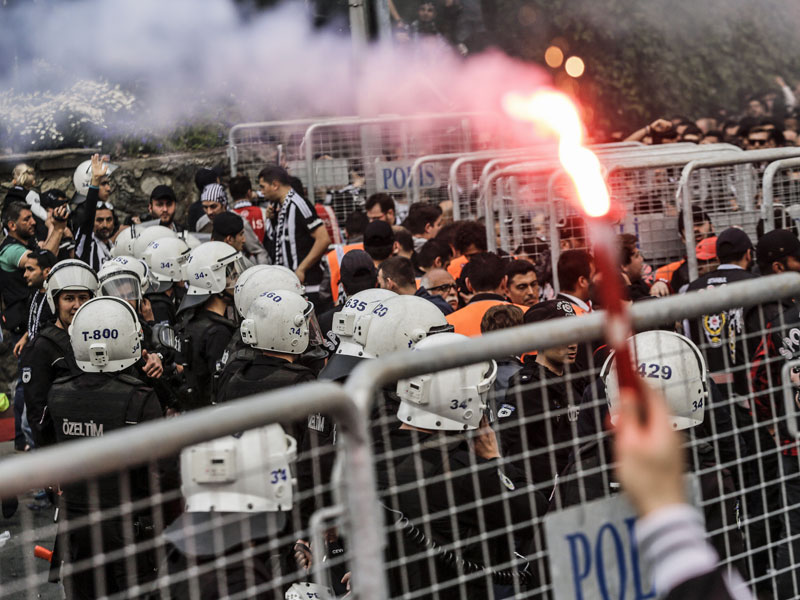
x,y
744,184
575,543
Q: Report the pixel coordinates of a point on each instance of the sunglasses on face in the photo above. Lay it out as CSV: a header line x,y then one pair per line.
x,y
443,288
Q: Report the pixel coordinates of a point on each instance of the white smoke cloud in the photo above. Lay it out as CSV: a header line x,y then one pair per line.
x,y
181,58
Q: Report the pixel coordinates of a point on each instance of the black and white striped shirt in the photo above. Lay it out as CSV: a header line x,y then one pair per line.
x,y
290,239
88,247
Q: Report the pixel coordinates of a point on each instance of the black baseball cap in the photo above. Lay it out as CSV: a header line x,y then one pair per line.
x,y
732,242
378,233
776,245
53,198
358,272
550,309
228,223
163,192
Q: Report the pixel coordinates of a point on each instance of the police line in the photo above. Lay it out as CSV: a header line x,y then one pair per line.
x,y
351,406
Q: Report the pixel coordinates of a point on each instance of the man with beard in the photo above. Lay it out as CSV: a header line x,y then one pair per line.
x,y
98,224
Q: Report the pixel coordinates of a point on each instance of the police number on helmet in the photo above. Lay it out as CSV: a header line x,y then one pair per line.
x,y
100,334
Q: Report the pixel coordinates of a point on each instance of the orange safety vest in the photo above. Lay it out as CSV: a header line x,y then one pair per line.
x,y
455,266
467,320
666,272
334,258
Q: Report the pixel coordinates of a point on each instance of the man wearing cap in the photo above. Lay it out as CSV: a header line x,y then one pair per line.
x,y
358,274
379,241
203,177
215,203
723,335
162,207
229,228
541,403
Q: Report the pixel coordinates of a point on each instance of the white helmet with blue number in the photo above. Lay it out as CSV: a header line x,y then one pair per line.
x,y
237,488
145,235
248,473
211,268
278,321
166,258
449,400
259,279
673,365
105,336
349,352
398,323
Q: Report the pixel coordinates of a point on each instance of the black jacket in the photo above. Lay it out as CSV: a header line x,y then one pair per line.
x,y
48,359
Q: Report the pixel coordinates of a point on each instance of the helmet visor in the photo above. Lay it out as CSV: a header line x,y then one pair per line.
x,y
314,330
122,284
234,269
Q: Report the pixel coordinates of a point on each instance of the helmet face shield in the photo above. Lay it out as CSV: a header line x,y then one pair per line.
x,y
314,330
234,269
122,284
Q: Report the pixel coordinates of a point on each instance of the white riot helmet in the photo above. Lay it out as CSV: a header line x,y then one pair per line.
x,y
71,274
106,336
278,321
211,268
124,277
123,245
450,400
245,474
305,590
166,258
673,365
263,278
236,489
145,235
82,177
349,353
398,323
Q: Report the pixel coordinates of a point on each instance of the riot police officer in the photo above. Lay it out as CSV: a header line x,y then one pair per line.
x,y
69,285
256,280
212,270
435,469
277,326
230,532
166,258
105,337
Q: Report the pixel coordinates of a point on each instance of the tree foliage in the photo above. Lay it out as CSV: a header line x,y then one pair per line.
x,y
649,58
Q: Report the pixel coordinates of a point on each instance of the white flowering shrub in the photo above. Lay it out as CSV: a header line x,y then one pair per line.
x,y
81,115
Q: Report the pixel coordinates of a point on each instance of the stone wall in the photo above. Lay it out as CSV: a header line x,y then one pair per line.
x,y
132,181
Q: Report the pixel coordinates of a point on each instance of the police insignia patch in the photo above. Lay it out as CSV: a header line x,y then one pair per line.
x,y
26,374
713,326
505,410
506,481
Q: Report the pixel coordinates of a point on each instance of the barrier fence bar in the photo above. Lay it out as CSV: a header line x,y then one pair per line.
x,y
372,378
768,192
685,191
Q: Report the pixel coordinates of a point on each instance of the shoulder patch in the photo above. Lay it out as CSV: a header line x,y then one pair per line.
x,y
505,410
26,374
506,481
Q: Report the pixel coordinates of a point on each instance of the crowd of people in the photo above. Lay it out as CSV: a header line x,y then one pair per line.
x,y
769,120
117,324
